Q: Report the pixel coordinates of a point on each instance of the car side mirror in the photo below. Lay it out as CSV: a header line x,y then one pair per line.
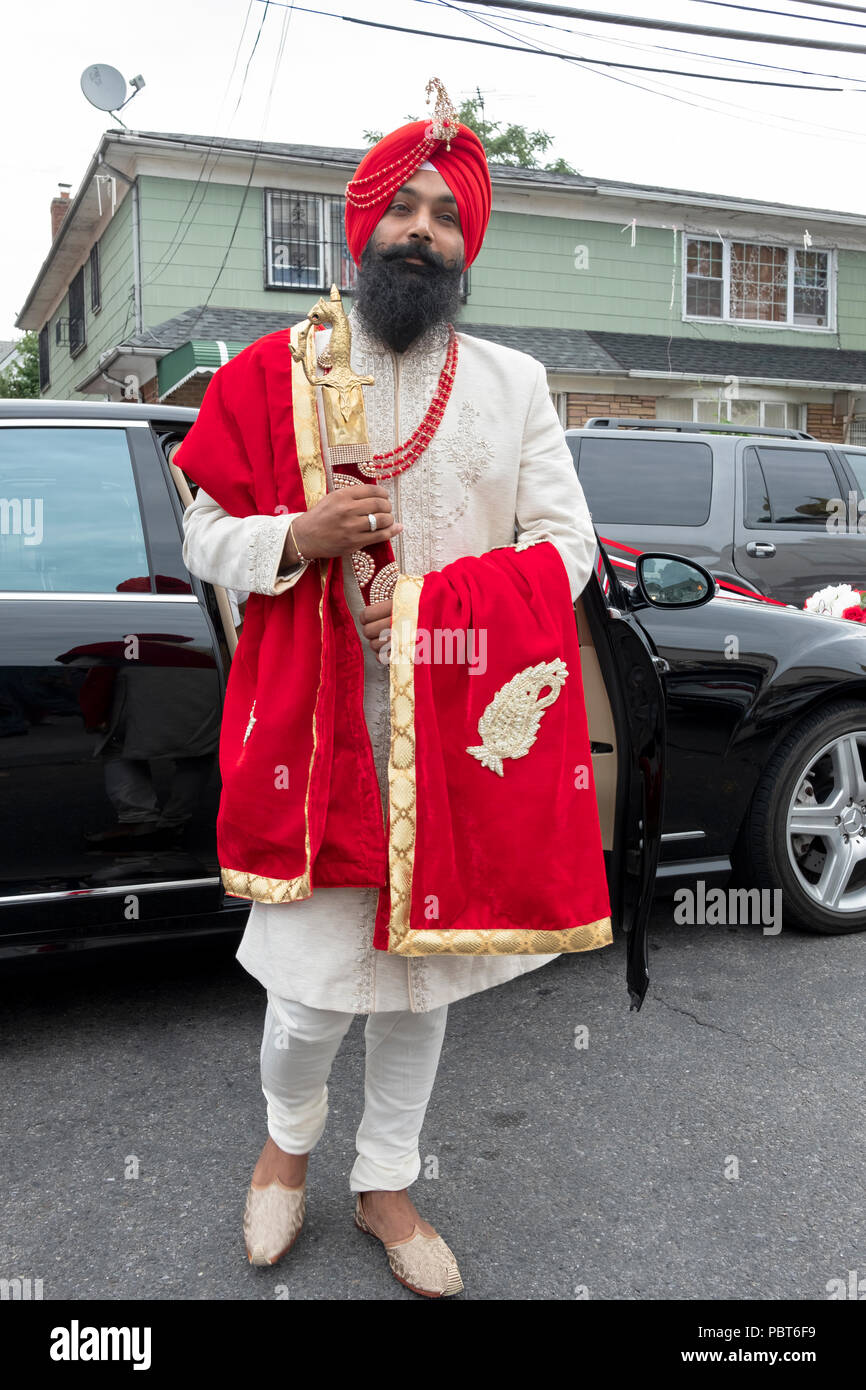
x,y
671,581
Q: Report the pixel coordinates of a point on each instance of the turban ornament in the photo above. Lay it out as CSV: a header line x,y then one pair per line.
x,y
451,148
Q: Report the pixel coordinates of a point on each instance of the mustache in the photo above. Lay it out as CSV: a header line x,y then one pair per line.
x,y
408,251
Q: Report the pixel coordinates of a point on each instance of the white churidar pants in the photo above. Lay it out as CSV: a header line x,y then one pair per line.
x,y
402,1054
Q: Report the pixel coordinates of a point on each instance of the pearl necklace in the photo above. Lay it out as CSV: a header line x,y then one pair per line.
x,y
397,460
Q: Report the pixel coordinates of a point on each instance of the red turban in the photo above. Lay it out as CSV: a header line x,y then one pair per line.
x,y
459,158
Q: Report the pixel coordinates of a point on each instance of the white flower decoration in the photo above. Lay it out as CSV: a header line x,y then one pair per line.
x,y
833,600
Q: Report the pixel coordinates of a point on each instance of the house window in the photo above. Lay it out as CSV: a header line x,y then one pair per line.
x,y
44,365
77,336
95,287
305,242
704,279
754,282
713,410
811,288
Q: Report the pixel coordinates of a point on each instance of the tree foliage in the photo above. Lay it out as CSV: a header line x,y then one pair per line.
x,y
22,378
503,144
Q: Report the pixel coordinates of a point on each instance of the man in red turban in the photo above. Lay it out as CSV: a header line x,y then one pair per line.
x,y
451,150
468,456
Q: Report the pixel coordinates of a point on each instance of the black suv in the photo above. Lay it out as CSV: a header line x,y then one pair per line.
x,y
768,511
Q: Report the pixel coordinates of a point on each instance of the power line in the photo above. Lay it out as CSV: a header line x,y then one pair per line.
x,y
671,25
552,53
277,61
784,14
665,48
699,105
831,5
181,232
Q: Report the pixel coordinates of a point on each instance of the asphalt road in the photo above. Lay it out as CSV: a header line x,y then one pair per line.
x,y
563,1172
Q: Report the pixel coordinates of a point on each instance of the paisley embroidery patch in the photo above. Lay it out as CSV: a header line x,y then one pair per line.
x,y
509,725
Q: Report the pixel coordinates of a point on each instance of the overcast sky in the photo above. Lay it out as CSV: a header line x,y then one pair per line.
x,y
319,80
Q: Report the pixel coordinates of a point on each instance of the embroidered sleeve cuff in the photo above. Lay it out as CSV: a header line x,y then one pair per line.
x,y
266,544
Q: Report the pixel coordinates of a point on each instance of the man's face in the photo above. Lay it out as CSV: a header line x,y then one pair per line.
x,y
422,214
409,277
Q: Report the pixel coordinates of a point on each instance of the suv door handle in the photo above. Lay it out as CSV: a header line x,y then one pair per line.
x,y
760,548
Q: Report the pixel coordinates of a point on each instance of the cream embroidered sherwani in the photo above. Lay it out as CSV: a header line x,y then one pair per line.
x,y
498,463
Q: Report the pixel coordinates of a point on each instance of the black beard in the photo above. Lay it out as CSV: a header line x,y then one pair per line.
x,y
399,302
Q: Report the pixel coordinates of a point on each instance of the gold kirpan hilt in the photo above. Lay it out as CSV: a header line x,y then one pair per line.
x,y
343,398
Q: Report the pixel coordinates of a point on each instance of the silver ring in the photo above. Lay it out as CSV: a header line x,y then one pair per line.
x,y
371,517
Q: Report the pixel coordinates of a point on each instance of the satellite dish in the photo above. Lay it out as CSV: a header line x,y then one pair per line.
x,y
103,86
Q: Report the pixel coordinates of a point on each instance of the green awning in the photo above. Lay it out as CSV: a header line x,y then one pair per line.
x,y
191,359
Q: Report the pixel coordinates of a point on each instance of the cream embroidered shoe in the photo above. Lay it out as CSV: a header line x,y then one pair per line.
x,y
273,1218
424,1264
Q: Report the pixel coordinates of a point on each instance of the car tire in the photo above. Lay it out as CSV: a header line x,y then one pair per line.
x,y
814,767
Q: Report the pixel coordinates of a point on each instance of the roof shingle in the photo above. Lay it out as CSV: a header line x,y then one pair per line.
x,y
562,350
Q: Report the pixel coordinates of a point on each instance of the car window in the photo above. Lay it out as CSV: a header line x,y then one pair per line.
x,y
646,482
789,487
857,464
69,514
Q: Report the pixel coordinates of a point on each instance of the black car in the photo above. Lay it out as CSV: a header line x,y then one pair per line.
x,y
770,513
113,661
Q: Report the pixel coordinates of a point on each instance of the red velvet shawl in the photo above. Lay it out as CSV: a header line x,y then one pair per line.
x,y
471,861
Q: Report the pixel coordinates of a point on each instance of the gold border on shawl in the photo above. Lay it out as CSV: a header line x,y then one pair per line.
x,y
265,890
404,940
239,882
401,758
504,941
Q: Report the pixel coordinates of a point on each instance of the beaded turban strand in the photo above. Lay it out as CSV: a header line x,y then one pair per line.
x,y
454,151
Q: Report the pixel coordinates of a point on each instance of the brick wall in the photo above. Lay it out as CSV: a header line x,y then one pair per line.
x,y
582,405
150,391
821,423
191,393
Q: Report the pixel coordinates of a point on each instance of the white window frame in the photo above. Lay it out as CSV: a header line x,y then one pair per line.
x,y
726,414
787,324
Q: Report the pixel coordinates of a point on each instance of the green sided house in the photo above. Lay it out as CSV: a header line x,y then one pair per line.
x,y
179,250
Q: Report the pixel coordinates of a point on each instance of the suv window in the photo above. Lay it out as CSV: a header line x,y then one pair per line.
x,y
789,487
646,482
69,515
857,464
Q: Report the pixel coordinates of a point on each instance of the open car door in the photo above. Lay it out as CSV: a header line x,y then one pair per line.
x,y
626,715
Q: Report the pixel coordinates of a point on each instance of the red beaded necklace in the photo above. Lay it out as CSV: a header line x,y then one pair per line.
x,y
397,460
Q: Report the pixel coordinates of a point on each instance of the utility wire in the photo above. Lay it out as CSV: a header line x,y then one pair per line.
x,y
831,5
672,26
784,14
670,95
552,53
665,48
277,61
214,150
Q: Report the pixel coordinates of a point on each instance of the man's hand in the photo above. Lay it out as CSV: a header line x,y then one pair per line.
x,y
339,523
376,620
